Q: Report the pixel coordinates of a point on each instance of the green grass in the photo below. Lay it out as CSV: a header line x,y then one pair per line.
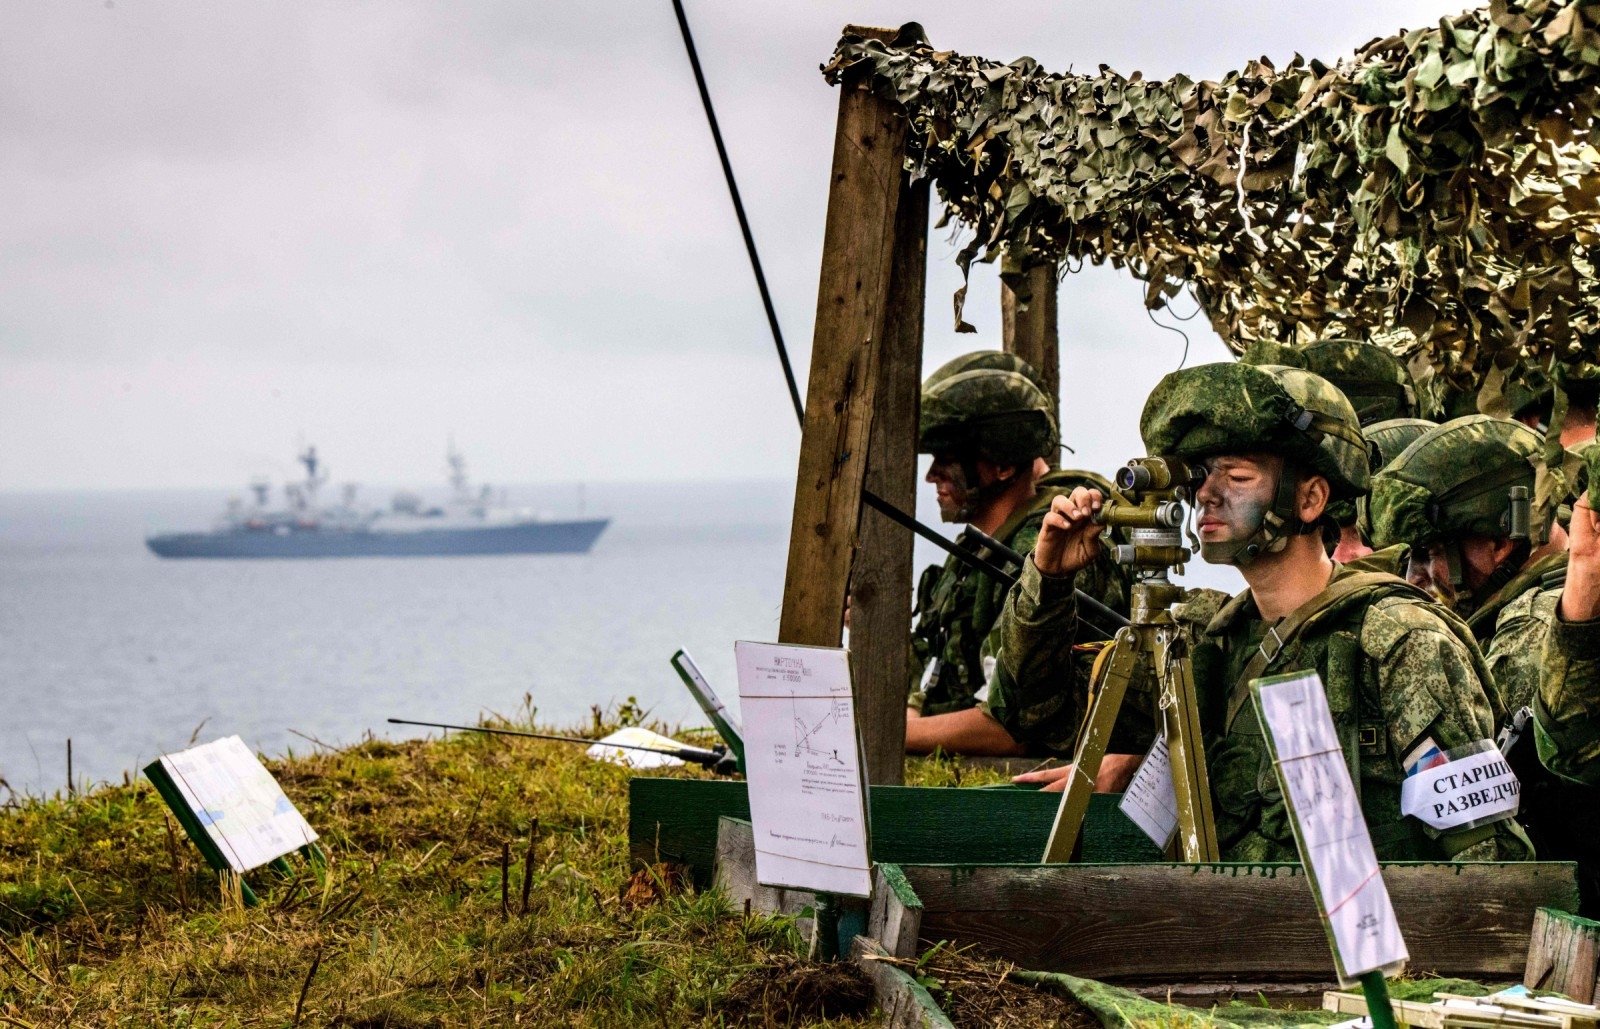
x,y
109,917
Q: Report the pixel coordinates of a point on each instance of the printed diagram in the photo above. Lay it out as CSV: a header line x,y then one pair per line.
x,y
811,733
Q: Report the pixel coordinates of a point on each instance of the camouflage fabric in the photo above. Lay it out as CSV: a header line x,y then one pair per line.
x,y
1399,672
1238,408
1385,441
1371,377
1567,715
996,415
978,360
1453,481
1511,626
951,646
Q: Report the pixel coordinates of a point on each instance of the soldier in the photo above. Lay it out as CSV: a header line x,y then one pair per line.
x,y
1377,386
1385,440
1403,676
989,428
1566,708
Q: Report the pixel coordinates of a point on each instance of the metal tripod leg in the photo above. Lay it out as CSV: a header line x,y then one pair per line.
x,y
1165,655
1092,744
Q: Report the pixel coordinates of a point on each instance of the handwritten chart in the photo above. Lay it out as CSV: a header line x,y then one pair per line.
x,y
803,763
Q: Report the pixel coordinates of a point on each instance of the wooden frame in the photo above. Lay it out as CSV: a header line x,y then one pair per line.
x,y
859,430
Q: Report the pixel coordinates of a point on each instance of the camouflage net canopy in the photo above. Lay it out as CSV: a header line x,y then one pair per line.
x,y
1437,191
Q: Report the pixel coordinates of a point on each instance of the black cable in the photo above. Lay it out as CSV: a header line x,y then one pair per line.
x,y
738,209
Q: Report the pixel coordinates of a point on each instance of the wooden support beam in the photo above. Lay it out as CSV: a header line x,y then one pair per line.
x,y
896,917
1194,923
1564,955
846,352
1029,329
880,582
735,874
904,1002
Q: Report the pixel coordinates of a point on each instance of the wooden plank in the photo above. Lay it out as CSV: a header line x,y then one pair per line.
x,y
896,917
675,820
852,301
1030,329
735,874
880,581
1208,922
1564,955
904,1002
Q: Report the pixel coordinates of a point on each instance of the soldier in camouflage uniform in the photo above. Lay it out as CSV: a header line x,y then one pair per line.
x,y
1377,386
1566,708
1403,676
989,428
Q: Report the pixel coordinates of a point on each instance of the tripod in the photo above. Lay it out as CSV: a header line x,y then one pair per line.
x,y
1152,643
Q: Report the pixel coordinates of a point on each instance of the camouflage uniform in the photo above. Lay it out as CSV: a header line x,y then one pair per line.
x,y
988,405
952,642
1399,671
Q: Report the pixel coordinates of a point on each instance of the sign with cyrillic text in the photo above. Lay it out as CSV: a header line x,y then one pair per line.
x,y
1473,787
1329,828
1151,801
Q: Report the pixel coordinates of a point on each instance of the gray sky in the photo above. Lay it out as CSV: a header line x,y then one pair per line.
x,y
227,228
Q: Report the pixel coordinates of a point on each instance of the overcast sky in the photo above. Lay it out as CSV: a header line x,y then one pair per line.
x,y
228,228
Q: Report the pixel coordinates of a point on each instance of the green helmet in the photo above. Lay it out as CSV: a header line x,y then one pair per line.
x,y
1240,408
1371,377
995,360
1387,438
1471,476
988,413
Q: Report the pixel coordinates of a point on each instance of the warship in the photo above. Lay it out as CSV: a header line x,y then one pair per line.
x,y
469,523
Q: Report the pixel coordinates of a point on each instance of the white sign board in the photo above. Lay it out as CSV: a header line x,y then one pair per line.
x,y
238,803
1151,801
1329,828
1473,787
803,764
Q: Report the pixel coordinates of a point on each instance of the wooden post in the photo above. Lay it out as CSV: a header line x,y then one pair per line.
x,y
1563,955
844,395
1033,334
880,582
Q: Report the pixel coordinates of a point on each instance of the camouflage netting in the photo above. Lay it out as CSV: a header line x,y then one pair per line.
x,y
1436,191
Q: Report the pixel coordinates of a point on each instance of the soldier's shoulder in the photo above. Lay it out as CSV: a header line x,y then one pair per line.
x,y
1395,618
1538,605
1200,607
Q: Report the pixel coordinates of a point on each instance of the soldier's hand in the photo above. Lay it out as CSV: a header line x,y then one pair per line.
x,y
1116,771
1580,597
1069,539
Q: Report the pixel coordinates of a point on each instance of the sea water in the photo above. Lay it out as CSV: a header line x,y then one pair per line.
x,y
130,656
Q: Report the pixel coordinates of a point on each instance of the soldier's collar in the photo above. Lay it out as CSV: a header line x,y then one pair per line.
x,y
1243,605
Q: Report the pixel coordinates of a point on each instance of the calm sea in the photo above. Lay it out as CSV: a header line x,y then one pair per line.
x,y
128,654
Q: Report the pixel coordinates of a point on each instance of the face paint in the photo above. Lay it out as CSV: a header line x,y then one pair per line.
x,y
1231,506
958,497
1431,569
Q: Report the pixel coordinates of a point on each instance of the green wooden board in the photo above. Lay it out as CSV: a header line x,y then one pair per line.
x,y
676,820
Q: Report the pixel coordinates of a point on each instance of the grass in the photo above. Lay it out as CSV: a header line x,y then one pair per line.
x,y
108,916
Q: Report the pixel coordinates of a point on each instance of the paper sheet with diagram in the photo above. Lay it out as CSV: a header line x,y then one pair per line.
x,y
803,763
238,803
1151,801
1328,824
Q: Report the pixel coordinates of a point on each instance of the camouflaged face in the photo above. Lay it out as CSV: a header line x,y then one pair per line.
x,y
1371,377
996,415
980,360
1452,482
1239,408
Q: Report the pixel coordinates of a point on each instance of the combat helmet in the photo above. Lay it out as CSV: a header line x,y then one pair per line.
x,y
1371,377
1471,476
1385,441
978,360
986,411
1240,408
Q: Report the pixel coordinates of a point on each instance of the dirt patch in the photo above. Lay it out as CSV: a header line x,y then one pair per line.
x,y
791,991
979,993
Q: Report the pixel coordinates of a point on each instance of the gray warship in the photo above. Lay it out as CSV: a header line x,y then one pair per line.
x,y
470,523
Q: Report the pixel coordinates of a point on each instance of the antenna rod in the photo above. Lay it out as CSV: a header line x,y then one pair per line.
x,y
738,209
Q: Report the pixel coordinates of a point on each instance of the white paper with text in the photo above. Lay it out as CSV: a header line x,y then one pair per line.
x,y
803,764
1329,826
1151,801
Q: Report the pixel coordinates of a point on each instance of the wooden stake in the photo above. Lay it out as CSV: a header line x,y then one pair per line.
x,y
505,879
841,394
1029,329
71,789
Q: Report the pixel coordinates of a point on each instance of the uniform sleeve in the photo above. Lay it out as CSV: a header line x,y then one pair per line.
x,y
1516,653
1431,689
1567,715
1033,688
